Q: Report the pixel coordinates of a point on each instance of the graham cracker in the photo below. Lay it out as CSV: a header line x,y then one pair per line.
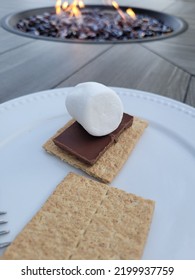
x,y
85,219
111,162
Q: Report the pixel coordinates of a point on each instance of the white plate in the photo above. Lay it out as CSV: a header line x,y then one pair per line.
x,y
161,167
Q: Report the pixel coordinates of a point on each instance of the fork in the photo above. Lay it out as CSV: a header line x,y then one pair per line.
x,y
3,232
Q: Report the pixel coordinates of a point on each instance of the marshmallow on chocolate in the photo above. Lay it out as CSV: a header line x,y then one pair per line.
x,y
96,107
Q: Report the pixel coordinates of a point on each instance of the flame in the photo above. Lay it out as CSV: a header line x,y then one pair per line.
x,y
73,8
65,5
75,11
58,7
81,4
116,6
76,5
131,13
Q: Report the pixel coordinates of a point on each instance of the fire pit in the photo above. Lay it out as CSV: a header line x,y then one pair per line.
x,y
93,23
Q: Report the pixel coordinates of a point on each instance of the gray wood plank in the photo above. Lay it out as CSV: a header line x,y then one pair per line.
x,y
148,4
11,6
133,66
9,41
179,50
42,65
151,67
190,100
185,1
16,5
159,5
184,9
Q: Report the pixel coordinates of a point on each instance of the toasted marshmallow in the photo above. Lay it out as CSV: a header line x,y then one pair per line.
x,y
96,107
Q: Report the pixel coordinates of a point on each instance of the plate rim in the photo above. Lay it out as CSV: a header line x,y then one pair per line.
x,y
149,96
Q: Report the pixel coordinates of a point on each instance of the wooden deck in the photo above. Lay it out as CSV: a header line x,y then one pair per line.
x,y
165,67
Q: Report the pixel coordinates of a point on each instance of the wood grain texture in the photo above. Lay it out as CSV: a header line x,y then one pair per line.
x,y
10,41
42,65
190,100
152,4
133,66
163,67
179,50
184,9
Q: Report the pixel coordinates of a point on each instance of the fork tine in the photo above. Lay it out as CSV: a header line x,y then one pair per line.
x,y
2,232
3,222
5,244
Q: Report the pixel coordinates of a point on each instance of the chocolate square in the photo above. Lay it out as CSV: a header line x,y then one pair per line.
x,y
87,148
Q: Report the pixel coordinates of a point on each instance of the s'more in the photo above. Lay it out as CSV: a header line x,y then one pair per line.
x,y
100,136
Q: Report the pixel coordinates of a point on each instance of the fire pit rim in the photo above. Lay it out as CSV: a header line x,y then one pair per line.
x,y
5,23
